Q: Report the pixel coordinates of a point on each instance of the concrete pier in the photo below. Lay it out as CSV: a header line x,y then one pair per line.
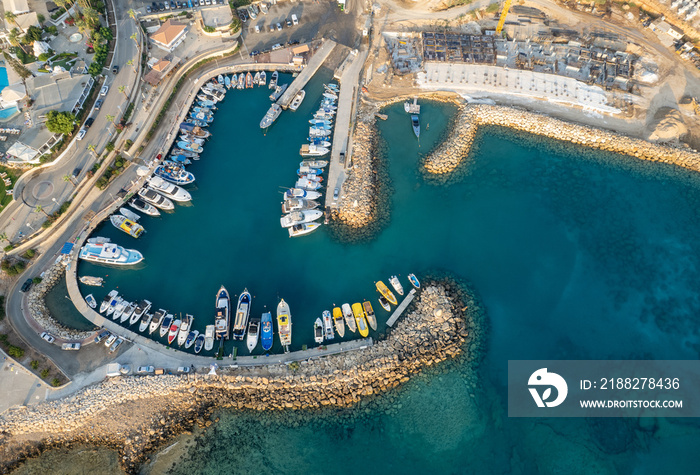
x,y
307,73
402,306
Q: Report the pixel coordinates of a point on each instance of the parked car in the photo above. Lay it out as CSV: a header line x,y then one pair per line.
x,y
71,346
148,9
295,20
104,90
336,193
27,285
184,369
89,122
116,345
81,134
289,22
277,46
110,340
101,336
145,369
254,53
257,28
115,69
279,27
98,104
76,173
47,337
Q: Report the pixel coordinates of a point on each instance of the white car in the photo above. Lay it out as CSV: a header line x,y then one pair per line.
x,y
103,91
110,340
81,134
71,346
145,369
184,369
295,20
116,345
47,337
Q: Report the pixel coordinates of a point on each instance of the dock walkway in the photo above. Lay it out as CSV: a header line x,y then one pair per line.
x,y
307,73
402,306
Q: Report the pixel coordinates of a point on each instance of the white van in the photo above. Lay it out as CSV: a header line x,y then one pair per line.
x,y
295,20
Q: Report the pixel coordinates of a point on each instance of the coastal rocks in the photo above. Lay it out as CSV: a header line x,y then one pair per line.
x,y
40,313
668,126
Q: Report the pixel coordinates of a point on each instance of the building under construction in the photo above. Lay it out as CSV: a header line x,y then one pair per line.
x,y
455,47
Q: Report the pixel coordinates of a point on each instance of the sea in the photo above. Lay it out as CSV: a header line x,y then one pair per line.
x,y
574,254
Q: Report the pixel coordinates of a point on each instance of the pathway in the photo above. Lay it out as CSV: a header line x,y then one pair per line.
x,y
307,73
402,306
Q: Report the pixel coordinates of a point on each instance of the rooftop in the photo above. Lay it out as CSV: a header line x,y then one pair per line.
x,y
217,17
168,32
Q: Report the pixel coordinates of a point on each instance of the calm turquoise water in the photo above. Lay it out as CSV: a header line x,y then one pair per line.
x,y
63,310
573,258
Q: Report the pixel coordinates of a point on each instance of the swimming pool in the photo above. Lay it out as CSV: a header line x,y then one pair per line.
x,y
10,111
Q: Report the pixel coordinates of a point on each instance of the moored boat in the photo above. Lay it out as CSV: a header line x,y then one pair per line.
x,y
273,80
90,280
301,193
227,82
302,229
241,81
284,323
256,78
394,281
234,80
129,214
318,331
209,334
263,79
266,331
144,207
253,333
157,320
388,294
415,123
222,316
360,319
116,300
369,313
174,329
298,204
338,321
307,184
248,80
199,343
130,313
312,150
156,199
313,163
101,251
107,300
119,311
174,174
298,99
220,79
193,334
165,326
328,325
270,116
145,321
123,223
414,280
90,299
279,90
349,317
168,190
242,313
384,303
300,217
185,328
141,308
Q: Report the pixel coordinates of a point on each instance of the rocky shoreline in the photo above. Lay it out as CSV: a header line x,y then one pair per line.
x,y
136,415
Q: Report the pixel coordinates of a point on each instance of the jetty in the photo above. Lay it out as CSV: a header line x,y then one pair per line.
x,y
303,355
402,306
307,73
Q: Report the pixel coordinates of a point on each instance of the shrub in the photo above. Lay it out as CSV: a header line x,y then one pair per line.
x,y
34,364
44,373
209,29
60,122
52,30
37,280
55,382
9,247
30,253
110,146
15,351
129,143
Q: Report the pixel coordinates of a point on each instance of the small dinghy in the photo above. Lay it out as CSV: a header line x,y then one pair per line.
x,y
318,331
414,280
91,301
194,334
198,343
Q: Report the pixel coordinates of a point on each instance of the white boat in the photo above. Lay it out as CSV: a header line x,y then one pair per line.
x,y
169,190
156,199
131,312
301,229
209,337
90,299
279,90
113,305
129,214
318,331
191,337
157,320
263,79
311,150
300,217
307,184
328,325
199,343
284,323
242,313
298,99
301,193
123,223
256,78
273,80
119,310
222,317
90,280
145,322
141,309
315,132
349,317
174,330
338,321
330,95
394,281
313,163
253,333
272,114
184,329
144,207
298,204
105,303
101,251
412,108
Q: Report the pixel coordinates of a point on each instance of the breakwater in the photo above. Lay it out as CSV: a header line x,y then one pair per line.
x,y
135,415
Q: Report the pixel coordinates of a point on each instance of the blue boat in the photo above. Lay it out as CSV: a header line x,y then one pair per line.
x,y
191,147
193,122
227,82
414,280
177,174
310,171
206,103
206,110
181,159
266,331
199,343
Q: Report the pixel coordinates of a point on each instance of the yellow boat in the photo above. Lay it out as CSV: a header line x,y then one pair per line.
x,y
360,319
338,320
388,294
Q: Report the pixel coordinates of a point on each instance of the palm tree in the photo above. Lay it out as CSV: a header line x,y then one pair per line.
x,y
131,63
135,38
40,209
11,18
65,4
68,179
132,14
110,118
3,237
122,89
91,147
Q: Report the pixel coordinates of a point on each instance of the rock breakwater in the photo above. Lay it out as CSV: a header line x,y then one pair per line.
x,y
135,415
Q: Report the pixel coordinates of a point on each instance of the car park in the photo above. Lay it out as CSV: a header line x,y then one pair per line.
x,y
145,369
81,134
110,340
98,104
116,345
71,346
89,122
101,336
26,286
47,337
104,90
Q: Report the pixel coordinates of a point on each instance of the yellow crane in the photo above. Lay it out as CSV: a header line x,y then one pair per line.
x,y
502,20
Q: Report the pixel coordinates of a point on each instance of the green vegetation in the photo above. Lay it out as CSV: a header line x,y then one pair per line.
x,y
37,280
11,268
209,29
44,373
238,3
51,30
2,307
492,8
9,247
33,34
127,113
60,122
4,197
34,364
29,253
98,62
16,65
55,382
15,351
128,143
58,13
54,216
112,171
40,18
236,25
110,146
25,58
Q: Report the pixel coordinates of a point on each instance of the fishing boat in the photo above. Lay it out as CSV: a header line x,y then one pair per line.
x,y
253,333
312,150
266,331
338,321
284,323
190,147
169,190
113,306
298,99
123,223
90,280
330,95
301,193
302,229
316,132
328,325
186,153
388,294
185,328
193,334
270,116
414,280
222,316
263,79
349,317
241,81
248,80
298,204
145,321
369,313
242,314
144,207
394,281
415,123
174,174
300,217
273,80
165,326
234,80
220,79
279,90
209,334
107,300
384,303
129,313
321,121
157,320
318,331
199,343
307,184
179,160
360,319
256,78
119,310
320,141
313,163
156,199
174,329
227,82
101,251
90,299
129,214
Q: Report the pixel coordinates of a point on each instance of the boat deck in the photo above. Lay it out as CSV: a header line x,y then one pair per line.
x,y
318,58
402,306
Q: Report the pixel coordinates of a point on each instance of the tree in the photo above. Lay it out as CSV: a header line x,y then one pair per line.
x,y
68,179
33,34
60,122
131,63
11,18
66,5
122,89
110,118
132,14
3,237
135,38
40,209
91,147
40,18
91,18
